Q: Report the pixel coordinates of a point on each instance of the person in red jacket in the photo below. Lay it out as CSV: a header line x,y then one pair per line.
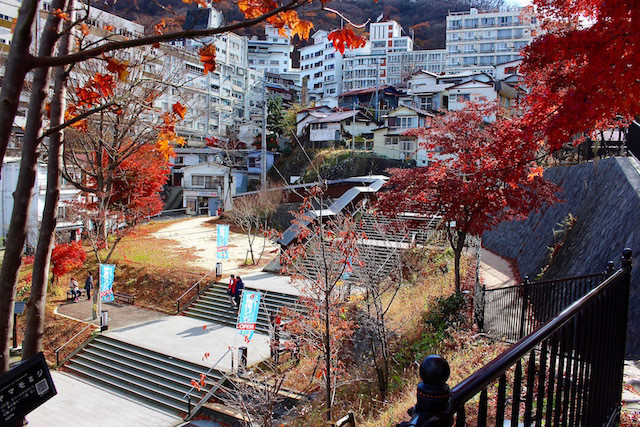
x,y
231,290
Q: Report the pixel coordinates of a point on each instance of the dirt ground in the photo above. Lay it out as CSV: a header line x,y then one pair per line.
x,y
199,235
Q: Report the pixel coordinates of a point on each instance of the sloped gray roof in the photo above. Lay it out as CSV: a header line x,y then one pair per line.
x,y
290,234
336,117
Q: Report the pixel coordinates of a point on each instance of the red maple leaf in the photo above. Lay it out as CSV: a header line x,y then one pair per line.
x,y
346,38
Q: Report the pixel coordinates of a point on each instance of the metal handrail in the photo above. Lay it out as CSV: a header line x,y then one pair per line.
x,y
208,372
197,284
547,282
57,350
486,375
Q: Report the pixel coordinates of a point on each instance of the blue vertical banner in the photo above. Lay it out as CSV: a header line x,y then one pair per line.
x,y
107,272
248,316
348,269
222,236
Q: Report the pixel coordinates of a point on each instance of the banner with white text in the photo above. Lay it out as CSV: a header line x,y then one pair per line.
x,y
107,272
222,237
248,315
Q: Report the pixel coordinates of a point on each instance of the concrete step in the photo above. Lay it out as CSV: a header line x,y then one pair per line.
x,y
136,376
125,387
150,356
161,376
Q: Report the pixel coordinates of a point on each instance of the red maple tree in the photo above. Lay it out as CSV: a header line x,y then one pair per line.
x,y
483,174
582,71
66,257
138,184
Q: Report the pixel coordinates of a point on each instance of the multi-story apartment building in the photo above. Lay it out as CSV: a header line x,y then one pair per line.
x,y
476,40
217,103
401,65
390,59
273,55
321,67
387,37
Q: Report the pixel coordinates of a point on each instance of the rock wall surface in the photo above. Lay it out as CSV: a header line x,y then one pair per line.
x,y
604,198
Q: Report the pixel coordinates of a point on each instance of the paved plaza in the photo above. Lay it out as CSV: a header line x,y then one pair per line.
x,y
190,339
86,405
270,282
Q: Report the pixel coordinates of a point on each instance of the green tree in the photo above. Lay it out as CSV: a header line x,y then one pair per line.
x,y
275,116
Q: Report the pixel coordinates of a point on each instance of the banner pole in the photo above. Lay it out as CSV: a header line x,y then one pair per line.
x,y
99,296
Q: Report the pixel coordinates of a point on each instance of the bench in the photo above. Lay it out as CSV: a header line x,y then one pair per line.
x,y
82,292
124,298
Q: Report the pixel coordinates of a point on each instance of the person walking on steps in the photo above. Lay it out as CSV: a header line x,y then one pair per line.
x,y
231,290
238,293
88,285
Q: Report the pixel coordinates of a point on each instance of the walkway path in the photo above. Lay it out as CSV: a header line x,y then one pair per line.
x,y
120,315
86,405
495,271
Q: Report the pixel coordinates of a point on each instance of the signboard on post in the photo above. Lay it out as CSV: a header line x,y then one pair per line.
x,y
222,237
248,315
107,272
24,388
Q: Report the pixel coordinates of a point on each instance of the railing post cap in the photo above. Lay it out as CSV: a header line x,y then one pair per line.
x,y
434,370
627,253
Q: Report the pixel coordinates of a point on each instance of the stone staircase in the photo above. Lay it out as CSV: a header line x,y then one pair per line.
x,y
156,379
213,306
421,231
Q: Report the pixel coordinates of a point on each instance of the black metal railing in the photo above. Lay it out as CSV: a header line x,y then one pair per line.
x,y
511,312
567,372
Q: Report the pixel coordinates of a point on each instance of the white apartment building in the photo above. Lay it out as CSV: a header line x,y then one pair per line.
x,y
401,65
68,228
477,41
273,55
387,37
218,103
321,67
389,60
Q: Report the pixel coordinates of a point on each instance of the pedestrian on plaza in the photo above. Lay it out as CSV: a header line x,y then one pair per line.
x,y
231,290
238,292
88,285
75,290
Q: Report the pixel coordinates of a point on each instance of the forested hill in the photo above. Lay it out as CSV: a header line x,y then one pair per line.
x,y
426,17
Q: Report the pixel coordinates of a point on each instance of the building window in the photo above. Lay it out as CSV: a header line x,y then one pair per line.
x,y
62,213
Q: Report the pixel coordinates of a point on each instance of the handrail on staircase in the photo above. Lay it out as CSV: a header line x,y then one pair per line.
x,y
195,285
209,371
57,350
210,392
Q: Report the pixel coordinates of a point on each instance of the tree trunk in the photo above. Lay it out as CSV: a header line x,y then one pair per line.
x,y
24,189
327,355
37,301
15,71
457,255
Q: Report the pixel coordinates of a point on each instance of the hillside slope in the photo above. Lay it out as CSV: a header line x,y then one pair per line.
x,y
427,17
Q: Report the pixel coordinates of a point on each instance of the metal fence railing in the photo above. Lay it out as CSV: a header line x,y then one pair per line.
x,y
569,371
510,313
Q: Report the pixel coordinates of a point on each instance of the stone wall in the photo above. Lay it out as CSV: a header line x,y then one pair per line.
x,y
604,196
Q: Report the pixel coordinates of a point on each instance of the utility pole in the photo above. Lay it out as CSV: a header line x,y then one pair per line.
x,y
263,154
353,128
206,132
377,89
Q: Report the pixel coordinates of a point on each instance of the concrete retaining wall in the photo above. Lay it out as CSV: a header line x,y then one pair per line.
x,y
605,199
